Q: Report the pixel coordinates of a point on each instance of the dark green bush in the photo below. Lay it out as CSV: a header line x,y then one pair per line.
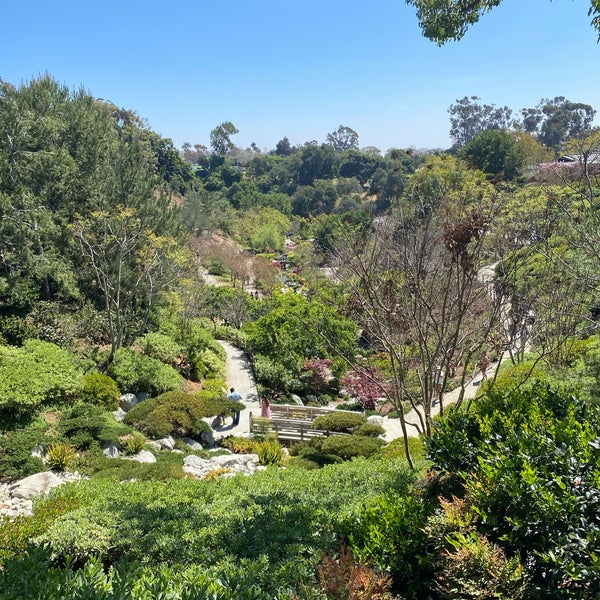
x,y
100,389
178,413
354,406
135,373
349,446
339,421
87,423
14,330
16,461
370,430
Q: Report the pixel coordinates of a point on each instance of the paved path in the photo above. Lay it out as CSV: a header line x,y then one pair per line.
x,y
240,377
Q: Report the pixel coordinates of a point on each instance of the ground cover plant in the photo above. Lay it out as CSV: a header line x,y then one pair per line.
x,y
268,531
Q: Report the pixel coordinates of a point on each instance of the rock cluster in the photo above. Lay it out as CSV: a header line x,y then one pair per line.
x,y
16,497
223,465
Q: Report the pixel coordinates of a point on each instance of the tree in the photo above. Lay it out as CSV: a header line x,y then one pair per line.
x,y
283,147
468,118
412,283
343,139
495,152
555,121
444,20
220,138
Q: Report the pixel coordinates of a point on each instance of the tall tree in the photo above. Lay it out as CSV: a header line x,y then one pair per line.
x,y
555,121
220,138
469,118
343,138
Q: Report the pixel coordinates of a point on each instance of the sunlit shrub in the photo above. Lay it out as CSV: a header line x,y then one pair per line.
x,y
349,446
61,456
339,421
100,389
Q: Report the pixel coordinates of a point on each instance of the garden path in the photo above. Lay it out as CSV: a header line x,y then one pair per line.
x,y
240,377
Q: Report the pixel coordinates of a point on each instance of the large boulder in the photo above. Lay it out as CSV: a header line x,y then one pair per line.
x,y
40,483
127,402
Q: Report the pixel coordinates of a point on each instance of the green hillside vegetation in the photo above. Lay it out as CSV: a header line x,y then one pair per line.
x,y
347,276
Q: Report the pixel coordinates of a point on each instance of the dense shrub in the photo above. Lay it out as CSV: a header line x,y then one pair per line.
x,y
100,389
15,452
161,347
370,430
14,330
177,413
530,463
389,535
266,519
339,421
135,373
86,423
349,446
39,372
206,363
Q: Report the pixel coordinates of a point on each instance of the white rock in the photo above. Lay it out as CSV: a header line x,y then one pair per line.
x,y
40,483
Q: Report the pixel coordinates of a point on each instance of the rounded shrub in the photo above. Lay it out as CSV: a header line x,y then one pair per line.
x,y
100,389
370,430
161,346
135,372
177,413
349,446
344,422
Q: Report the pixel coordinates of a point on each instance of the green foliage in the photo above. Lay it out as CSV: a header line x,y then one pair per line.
x,y
100,389
395,449
15,451
350,446
207,363
294,329
138,373
271,515
495,152
529,462
370,430
272,373
339,421
14,330
37,373
168,466
178,413
389,535
270,452
61,456
133,443
86,423
161,347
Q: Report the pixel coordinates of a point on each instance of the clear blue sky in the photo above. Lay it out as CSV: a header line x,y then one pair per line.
x,y
300,68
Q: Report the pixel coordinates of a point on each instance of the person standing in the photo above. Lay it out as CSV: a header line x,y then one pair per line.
x,y
236,396
484,365
265,408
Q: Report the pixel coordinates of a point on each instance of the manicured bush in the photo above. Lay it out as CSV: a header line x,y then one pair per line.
x,y
37,373
349,446
16,461
370,430
86,423
135,373
339,421
100,389
178,413
161,347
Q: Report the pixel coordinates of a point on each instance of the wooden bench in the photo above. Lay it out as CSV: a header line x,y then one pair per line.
x,y
291,422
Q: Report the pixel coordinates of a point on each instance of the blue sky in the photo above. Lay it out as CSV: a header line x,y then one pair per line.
x,y
300,69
